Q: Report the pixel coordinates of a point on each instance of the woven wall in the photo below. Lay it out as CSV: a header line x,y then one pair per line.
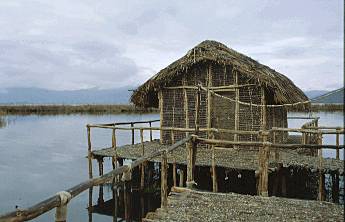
x,y
222,110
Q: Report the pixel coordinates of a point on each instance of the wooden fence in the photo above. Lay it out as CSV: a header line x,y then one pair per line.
x,y
60,200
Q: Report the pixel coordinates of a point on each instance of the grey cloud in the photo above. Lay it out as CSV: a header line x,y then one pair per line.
x,y
78,44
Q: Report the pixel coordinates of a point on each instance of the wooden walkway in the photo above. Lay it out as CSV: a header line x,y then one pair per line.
x,y
190,205
241,159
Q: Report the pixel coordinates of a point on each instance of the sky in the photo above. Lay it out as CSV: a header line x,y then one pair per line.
x,y
80,44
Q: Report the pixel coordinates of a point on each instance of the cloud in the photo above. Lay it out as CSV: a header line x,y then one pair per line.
x,y
80,44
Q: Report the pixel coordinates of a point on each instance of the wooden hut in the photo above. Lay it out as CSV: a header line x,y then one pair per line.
x,y
236,92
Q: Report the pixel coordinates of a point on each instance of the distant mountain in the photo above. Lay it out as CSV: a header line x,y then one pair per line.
x,y
335,96
45,96
315,93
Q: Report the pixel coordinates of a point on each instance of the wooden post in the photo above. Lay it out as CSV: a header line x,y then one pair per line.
x,y
172,137
190,176
276,149
264,166
100,195
335,187
150,131
214,172
237,107
89,152
142,166
181,178
174,172
209,101
185,106
126,178
321,178
115,197
164,178
263,109
89,209
114,158
61,210
160,98
337,144
132,125
197,109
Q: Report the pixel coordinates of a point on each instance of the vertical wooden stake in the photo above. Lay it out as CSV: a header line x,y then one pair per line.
x,y
181,178
337,144
89,209
190,164
174,172
114,159
160,98
89,152
132,125
265,159
209,101
197,109
237,108
276,149
115,198
150,131
185,105
263,109
164,178
214,172
321,178
142,166
61,213
100,195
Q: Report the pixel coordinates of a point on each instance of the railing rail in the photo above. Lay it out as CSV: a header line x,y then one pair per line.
x,y
61,199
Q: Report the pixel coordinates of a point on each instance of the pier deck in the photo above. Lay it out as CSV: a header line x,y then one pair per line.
x,y
241,159
190,205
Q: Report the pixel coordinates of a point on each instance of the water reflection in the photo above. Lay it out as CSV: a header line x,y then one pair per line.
x,y
126,203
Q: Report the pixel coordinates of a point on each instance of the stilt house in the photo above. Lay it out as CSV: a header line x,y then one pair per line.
x,y
228,89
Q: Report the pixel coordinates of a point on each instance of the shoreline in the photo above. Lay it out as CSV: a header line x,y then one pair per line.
x,y
98,109
53,109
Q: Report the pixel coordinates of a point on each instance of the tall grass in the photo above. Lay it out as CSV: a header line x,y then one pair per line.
x,y
317,107
70,109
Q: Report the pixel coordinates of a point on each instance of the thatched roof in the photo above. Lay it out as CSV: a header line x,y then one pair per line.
x,y
279,86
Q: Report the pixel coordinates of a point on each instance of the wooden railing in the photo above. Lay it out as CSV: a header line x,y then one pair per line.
x,y
61,199
264,146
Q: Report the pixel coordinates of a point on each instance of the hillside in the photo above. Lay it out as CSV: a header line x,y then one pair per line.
x,y
335,96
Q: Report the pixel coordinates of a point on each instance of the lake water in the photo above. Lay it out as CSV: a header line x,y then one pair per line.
x,y
41,155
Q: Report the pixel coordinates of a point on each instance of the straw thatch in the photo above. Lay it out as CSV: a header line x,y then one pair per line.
x,y
279,86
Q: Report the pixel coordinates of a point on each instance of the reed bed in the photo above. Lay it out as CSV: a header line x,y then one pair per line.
x,y
71,109
318,107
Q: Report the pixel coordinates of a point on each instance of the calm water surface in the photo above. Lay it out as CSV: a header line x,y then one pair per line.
x,y
41,155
